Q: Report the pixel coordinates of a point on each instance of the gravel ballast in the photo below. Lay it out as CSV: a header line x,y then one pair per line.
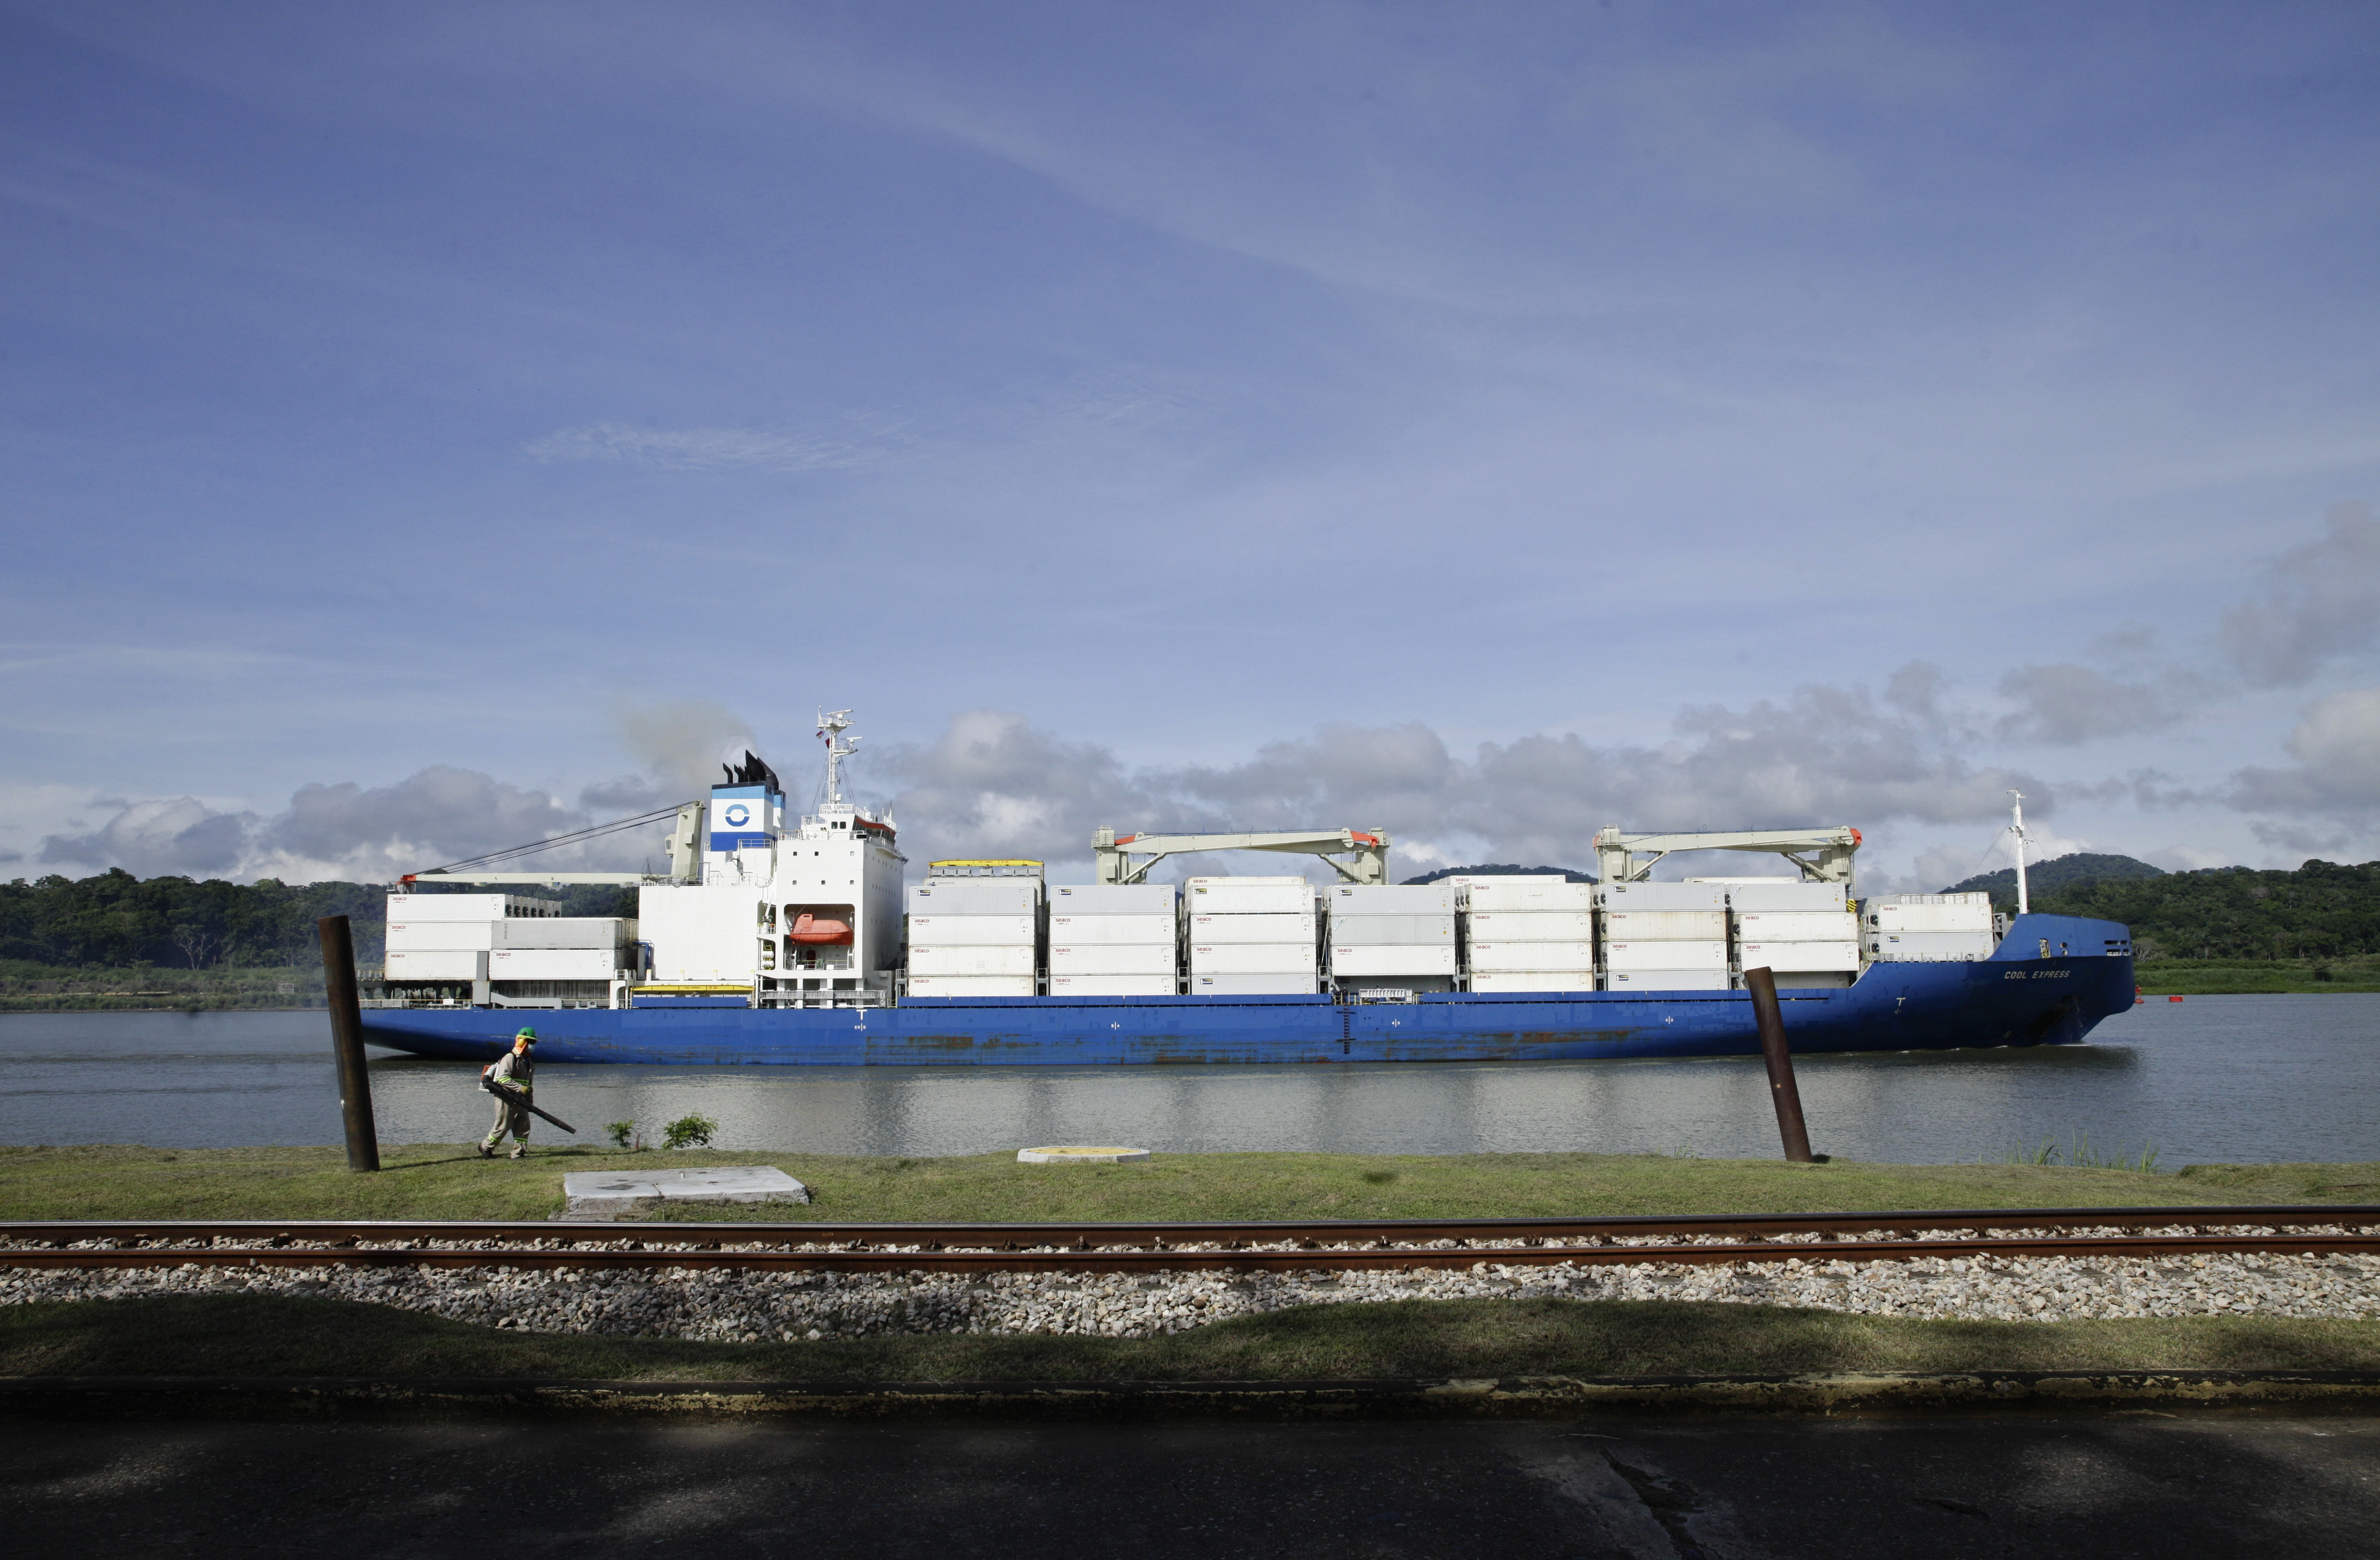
x,y
728,1305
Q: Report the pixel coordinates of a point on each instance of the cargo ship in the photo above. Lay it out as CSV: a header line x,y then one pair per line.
x,y
780,939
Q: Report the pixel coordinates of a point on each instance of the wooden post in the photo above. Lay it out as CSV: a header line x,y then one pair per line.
x,y
347,1041
1762,984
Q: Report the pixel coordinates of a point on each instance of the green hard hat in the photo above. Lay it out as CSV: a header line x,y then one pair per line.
x,y
525,1032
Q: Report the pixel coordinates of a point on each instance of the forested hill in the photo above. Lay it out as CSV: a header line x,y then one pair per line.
x,y
118,921
2321,910
1502,869
2057,873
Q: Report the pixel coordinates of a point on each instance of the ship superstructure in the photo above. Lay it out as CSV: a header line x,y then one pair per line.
x,y
792,914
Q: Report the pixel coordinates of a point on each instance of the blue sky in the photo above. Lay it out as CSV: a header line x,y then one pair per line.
x,y
424,427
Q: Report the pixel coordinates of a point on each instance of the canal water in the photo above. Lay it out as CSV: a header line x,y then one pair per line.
x,y
2209,1079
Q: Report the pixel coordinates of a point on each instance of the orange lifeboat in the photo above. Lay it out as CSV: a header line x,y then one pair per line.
x,y
809,929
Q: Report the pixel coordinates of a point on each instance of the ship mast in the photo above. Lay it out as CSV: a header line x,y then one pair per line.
x,y
2023,902
832,725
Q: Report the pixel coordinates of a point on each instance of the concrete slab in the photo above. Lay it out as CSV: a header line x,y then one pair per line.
x,y
1081,1154
616,1194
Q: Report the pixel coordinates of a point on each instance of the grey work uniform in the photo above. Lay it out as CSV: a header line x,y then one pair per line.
x,y
515,1067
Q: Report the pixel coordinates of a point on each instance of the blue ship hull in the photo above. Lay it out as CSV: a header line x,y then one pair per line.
x,y
2006,1000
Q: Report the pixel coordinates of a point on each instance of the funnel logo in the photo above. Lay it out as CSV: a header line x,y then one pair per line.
x,y
738,815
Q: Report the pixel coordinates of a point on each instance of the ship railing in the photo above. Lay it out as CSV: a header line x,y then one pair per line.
x,y
764,995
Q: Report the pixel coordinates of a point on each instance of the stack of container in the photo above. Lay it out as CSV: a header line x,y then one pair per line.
x,y
504,946
1109,939
1252,937
1927,927
1532,934
1803,933
444,939
974,936
1664,936
543,949
1384,937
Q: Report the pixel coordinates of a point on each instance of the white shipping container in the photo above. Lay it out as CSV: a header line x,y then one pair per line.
x,y
1245,881
1928,918
435,964
1382,899
1665,981
1493,957
1223,896
1796,926
1664,926
1112,898
1533,926
1079,929
466,906
1530,894
1513,982
565,931
1112,986
1925,945
971,931
1392,958
1244,984
441,936
966,960
971,985
1799,958
553,963
1665,955
1111,959
1661,896
1254,929
1786,895
1252,958
1377,931
975,896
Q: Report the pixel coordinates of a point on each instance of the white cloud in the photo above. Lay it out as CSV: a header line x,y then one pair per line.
x,y
2337,773
994,785
2189,858
344,831
182,837
2320,601
2065,704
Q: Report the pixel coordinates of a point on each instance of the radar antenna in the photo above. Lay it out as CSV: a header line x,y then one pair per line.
x,y
832,725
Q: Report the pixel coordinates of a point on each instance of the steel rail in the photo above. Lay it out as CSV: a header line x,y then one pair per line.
x,y
1145,1232
1233,1247
1127,1260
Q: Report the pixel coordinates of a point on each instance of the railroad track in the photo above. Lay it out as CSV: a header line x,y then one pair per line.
x,y
1281,1245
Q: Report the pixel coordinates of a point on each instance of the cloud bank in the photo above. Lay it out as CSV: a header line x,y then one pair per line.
x,y
995,783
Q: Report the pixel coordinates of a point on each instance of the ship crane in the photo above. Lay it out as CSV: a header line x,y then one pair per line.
x,y
1631,858
685,846
1366,850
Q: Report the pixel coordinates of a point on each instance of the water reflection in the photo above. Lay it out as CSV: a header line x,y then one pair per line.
x,y
2237,1078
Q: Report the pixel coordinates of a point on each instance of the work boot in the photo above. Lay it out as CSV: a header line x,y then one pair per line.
x,y
520,1151
486,1152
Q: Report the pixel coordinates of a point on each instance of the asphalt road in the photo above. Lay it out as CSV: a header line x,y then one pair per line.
x,y
2103,1485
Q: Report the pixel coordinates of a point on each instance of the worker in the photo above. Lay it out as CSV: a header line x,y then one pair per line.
x,y
514,1068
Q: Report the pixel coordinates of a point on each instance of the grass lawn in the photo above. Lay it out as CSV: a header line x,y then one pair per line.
x,y
448,1181
257,1335
2267,976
